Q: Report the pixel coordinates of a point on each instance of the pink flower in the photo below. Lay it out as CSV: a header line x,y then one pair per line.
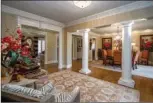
x,y
148,44
7,39
19,31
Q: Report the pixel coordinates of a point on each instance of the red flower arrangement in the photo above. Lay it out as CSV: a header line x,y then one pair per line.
x,y
12,43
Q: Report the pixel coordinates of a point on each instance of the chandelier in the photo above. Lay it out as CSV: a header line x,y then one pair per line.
x,y
118,40
82,4
118,36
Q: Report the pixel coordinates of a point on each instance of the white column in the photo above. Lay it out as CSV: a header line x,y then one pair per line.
x,y
126,78
74,48
85,50
60,64
69,50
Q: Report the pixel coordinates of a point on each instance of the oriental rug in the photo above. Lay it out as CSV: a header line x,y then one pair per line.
x,y
92,89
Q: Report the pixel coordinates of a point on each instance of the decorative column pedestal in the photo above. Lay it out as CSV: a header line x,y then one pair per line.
x,y
126,78
85,42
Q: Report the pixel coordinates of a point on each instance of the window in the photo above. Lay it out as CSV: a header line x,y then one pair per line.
x,y
41,45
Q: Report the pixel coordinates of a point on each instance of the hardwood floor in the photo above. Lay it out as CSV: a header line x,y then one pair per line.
x,y
144,85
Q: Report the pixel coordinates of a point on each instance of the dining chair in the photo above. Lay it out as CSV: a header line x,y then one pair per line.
x,y
135,60
109,57
117,57
104,54
144,57
100,55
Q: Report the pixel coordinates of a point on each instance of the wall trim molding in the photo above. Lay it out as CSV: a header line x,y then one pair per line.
x,y
93,34
52,61
63,66
125,8
150,62
33,20
142,32
68,66
74,58
28,15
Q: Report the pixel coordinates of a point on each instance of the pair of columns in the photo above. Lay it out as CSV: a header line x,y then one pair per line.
x,y
126,78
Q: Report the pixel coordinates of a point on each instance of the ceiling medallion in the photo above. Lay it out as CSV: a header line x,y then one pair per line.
x,y
82,4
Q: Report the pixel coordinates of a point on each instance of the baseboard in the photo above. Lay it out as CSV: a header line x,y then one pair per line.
x,y
52,61
150,62
89,60
63,66
74,58
69,66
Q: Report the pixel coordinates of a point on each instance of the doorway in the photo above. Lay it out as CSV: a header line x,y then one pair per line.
x,y
46,45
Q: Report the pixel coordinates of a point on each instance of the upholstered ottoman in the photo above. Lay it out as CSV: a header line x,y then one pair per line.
x,y
42,80
47,93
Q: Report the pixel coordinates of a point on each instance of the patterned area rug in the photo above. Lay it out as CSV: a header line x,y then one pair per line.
x,y
92,89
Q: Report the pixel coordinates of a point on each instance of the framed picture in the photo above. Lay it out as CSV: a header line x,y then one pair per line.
x,y
79,44
146,42
29,41
107,43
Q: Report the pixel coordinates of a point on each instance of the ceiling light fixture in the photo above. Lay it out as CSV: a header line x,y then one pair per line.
x,y
82,4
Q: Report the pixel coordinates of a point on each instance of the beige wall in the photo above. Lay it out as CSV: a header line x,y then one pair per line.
x,y
98,45
135,14
77,54
51,47
8,21
74,43
51,41
135,36
11,22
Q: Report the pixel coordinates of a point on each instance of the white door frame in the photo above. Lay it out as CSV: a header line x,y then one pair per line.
x,y
49,27
74,43
69,48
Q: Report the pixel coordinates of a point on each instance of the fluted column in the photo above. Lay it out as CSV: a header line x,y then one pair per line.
x,y
126,78
85,43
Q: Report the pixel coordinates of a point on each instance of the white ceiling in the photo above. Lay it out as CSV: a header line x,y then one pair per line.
x,y
63,11
141,25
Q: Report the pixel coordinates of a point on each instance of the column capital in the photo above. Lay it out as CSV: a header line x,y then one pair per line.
x,y
83,30
127,23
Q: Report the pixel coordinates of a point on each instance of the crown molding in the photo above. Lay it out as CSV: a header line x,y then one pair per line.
x,y
28,15
125,8
94,34
135,32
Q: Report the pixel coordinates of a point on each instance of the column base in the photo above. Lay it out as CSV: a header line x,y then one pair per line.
x,y
128,83
60,66
69,66
85,71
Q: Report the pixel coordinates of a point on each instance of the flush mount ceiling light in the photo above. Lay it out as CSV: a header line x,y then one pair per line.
x,y
82,4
